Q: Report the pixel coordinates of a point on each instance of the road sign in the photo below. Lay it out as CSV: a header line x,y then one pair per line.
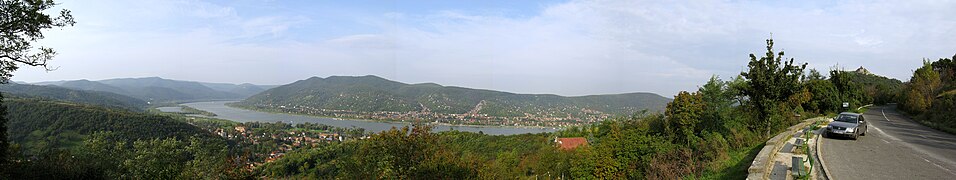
x,y
846,104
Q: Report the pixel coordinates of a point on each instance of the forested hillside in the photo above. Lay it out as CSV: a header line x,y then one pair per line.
x,y
99,98
879,89
74,141
930,95
369,94
45,124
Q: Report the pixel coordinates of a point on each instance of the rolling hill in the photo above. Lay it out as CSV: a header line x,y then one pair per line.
x,y
106,99
375,94
155,89
45,123
880,89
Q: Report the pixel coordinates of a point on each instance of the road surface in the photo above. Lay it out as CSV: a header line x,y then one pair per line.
x,y
895,147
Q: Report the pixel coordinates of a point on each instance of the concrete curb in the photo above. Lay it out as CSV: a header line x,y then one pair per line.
x,y
823,164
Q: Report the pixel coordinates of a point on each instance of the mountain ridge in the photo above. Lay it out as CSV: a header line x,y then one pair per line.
x,y
158,89
99,98
370,96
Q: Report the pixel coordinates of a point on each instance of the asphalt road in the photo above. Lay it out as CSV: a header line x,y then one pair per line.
x,y
895,147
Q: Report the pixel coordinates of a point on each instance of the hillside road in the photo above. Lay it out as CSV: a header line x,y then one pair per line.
x,y
894,147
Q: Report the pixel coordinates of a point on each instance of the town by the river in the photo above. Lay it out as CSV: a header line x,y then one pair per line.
x,y
243,115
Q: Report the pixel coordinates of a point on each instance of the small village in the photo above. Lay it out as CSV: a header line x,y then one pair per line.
x,y
266,142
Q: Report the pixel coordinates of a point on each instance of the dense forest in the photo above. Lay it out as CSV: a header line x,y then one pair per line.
x,y
46,124
879,90
930,95
71,140
76,141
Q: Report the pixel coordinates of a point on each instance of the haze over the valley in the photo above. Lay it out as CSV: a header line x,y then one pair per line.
x,y
559,47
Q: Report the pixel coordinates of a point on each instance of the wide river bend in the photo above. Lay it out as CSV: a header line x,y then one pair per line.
x,y
242,115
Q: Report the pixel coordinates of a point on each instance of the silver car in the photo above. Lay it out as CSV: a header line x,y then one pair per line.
x,y
847,124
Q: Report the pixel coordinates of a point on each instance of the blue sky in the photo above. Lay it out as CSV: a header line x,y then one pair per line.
x,y
558,47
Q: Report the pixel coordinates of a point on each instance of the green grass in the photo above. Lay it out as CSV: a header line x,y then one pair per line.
x,y
736,166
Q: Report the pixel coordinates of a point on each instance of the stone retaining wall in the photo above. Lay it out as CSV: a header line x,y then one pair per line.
x,y
760,168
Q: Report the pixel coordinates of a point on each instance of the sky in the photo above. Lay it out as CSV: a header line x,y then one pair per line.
x,y
555,47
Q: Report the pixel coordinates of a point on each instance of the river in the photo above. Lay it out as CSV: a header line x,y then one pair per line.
x,y
242,115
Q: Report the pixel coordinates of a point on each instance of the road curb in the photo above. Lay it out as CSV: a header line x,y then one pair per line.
x,y
823,164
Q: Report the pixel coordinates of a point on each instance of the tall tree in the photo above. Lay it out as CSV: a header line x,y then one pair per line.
x,y
850,91
771,84
684,115
21,23
718,102
922,88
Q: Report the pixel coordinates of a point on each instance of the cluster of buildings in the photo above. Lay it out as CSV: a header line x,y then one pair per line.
x,y
268,145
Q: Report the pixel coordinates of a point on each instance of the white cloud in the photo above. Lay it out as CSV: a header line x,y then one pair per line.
x,y
572,48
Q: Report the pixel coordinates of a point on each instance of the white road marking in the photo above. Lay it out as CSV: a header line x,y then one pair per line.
x,y
927,153
887,142
941,167
944,168
884,133
884,114
924,137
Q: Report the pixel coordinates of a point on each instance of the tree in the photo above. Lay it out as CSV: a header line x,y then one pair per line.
x,y
923,87
826,97
850,91
771,82
947,72
683,116
22,22
718,98
814,75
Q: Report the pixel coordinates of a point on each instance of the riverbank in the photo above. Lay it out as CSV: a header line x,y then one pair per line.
x,y
243,115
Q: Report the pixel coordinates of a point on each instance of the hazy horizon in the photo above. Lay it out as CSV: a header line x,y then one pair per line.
x,y
41,82
568,48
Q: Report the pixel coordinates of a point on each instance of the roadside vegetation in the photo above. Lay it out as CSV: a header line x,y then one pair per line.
x,y
930,95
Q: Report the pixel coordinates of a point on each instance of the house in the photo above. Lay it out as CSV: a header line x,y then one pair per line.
x,y
241,129
570,143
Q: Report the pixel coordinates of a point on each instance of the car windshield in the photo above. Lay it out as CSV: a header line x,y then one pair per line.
x,y
847,118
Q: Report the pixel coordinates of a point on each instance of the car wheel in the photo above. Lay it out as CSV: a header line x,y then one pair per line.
x,y
864,132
